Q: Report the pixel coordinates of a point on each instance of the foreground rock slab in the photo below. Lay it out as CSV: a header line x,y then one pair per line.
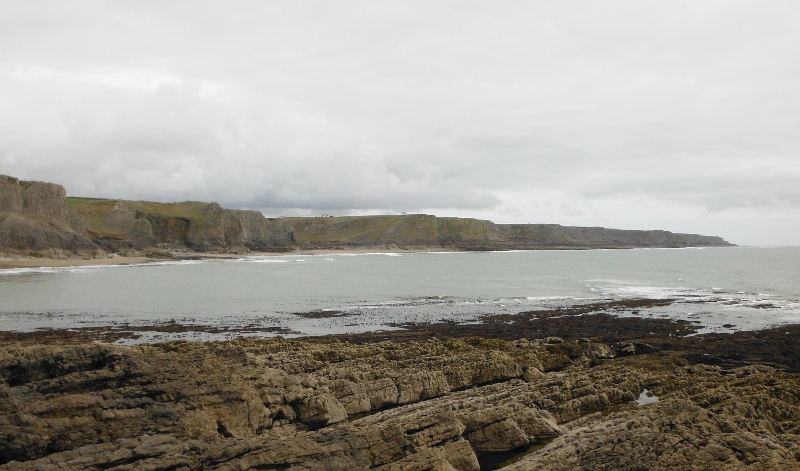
x,y
462,404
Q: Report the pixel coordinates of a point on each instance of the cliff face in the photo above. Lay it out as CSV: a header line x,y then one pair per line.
x,y
238,228
413,230
466,233
474,234
34,216
199,226
523,236
356,231
38,216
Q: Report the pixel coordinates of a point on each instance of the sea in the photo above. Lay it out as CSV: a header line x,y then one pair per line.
x,y
720,289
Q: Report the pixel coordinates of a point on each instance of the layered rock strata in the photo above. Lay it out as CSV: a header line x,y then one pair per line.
x,y
526,236
203,227
422,230
34,216
37,216
426,405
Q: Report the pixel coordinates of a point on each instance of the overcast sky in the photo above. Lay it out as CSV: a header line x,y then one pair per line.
x,y
679,115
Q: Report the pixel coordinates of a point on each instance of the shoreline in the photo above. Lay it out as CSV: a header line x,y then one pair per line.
x,y
588,323
36,262
512,393
11,261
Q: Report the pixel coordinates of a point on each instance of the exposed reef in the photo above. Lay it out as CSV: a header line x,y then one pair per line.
x,y
463,404
38,219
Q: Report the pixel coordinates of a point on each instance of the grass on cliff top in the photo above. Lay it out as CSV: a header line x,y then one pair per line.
x,y
415,228
184,209
402,229
75,201
97,212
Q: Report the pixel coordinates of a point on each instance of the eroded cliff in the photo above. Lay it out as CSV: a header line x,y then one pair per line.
x,y
404,231
34,217
203,227
525,236
422,230
38,217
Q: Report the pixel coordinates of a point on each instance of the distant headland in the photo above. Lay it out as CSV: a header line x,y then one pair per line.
x,y
38,219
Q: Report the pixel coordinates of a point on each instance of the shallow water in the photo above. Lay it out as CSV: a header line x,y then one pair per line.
x,y
722,288
646,398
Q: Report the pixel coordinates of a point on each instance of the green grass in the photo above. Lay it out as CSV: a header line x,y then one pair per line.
x,y
365,229
74,201
96,211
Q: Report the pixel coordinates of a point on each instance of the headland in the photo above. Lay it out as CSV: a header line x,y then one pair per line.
x,y
38,221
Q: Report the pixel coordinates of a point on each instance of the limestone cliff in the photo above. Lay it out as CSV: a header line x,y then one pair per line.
x,y
204,227
422,230
34,217
525,236
355,231
38,216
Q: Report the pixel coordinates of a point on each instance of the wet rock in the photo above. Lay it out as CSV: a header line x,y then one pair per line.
x,y
624,349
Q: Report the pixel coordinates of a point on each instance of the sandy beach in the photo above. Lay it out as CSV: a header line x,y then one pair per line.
x,y
36,262
6,263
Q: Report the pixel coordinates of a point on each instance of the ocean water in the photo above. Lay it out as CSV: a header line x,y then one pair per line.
x,y
722,289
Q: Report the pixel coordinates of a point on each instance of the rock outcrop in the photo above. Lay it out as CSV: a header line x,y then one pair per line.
x,y
406,231
526,236
463,404
422,230
38,217
203,227
34,217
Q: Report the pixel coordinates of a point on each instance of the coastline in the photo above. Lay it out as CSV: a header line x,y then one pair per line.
x,y
30,262
41,262
20,261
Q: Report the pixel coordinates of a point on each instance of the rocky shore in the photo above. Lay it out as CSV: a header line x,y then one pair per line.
x,y
626,396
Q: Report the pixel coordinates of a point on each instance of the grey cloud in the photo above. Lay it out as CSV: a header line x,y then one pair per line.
x,y
497,110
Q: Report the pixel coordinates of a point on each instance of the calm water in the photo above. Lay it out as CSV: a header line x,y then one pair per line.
x,y
747,288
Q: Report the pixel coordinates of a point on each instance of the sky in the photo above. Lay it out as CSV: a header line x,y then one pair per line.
x,y
679,115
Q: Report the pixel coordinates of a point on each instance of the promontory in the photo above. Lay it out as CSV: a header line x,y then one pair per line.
x,y
38,219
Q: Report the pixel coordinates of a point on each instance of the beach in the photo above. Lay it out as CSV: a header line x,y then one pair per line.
x,y
19,261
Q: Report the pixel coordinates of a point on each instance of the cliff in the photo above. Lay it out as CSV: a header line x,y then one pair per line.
x,y
34,216
422,230
414,230
38,217
204,227
526,236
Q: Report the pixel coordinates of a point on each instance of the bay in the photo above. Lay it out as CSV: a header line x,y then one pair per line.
x,y
722,289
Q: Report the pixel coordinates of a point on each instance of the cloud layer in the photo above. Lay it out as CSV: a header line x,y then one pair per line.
x,y
681,116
